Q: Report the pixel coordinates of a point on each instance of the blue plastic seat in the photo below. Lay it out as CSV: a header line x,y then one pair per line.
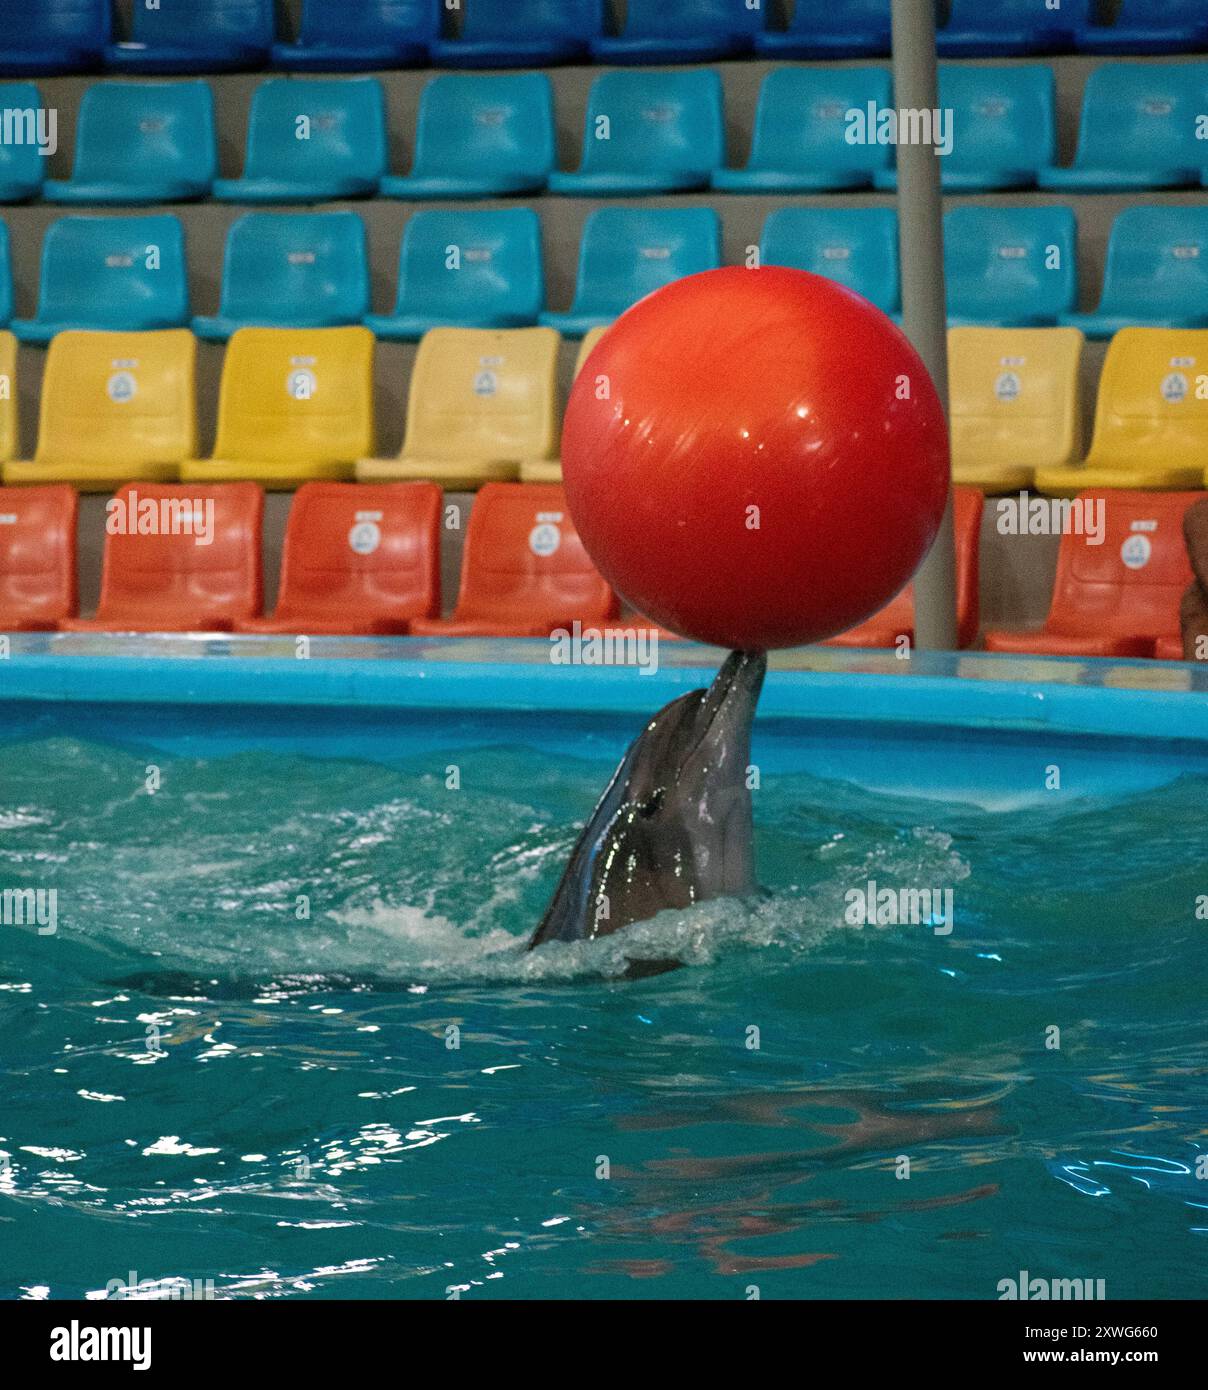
x,y
466,270
802,122
1150,26
480,136
843,29
628,253
521,34
291,270
197,36
1139,123
1010,267
977,29
681,31
857,247
360,35
45,37
648,132
110,273
1157,273
311,141
22,166
141,143
6,278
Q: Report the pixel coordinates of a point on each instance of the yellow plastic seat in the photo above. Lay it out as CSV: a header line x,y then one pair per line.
x,y
295,406
1016,404
8,396
550,470
1151,418
116,408
484,402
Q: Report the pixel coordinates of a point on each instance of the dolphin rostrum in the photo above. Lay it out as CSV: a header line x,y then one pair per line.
x,y
673,827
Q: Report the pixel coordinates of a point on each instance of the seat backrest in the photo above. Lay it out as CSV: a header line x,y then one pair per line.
x,y
37,555
296,395
1143,116
458,264
628,253
857,247
1014,15
655,120
21,162
1003,117
1153,399
483,393
1162,14
1015,395
486,121
1011,261
1157,262
804,118
133,131
127,396
523,558
283,264
245,22
857,17
6,278
488,20
691,18
322,127
82,26
404,21
8,396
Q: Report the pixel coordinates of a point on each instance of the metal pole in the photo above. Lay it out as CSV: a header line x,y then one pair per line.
x,y
925,313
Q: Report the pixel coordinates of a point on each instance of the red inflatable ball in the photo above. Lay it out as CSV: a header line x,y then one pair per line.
x,y
755,458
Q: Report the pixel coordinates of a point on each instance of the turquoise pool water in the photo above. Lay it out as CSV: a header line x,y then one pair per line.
x,y
200,1086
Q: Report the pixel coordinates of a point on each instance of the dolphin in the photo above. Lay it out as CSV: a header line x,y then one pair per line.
x,y
673,827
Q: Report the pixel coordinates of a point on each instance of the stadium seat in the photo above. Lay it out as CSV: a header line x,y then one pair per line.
x,y
681,31
166,576
110,273
357,560
482,402
1157,273
37,558
648,132
627,253
22,164
174,36
1014,267
115,407
843,29
295,406
360,36
524,571
1011,27
8,396
550,470
1151,420
480,136
1015,404
291,270
466,270
1169,648
1139,130
1150,26
141,143
896,620
6,278
800,142
858,247
1118,598
311,141
52,36
521,34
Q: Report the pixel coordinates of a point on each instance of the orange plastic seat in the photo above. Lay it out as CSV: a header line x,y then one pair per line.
x,y
1169,649
896,619
524,572
161,574
1121,597
37,557
358,560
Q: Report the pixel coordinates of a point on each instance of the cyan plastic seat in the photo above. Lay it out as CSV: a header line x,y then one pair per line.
x,y
976,29
360,35
312,140
843,29
1150,26
141,143
858,247
802,122
110,273
1003,131
480,135
648,132
1139,125
1011,267
466,270
22,166
45,37
6,278
628,253
1156,275
681,31
521,34
291,270
197,36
